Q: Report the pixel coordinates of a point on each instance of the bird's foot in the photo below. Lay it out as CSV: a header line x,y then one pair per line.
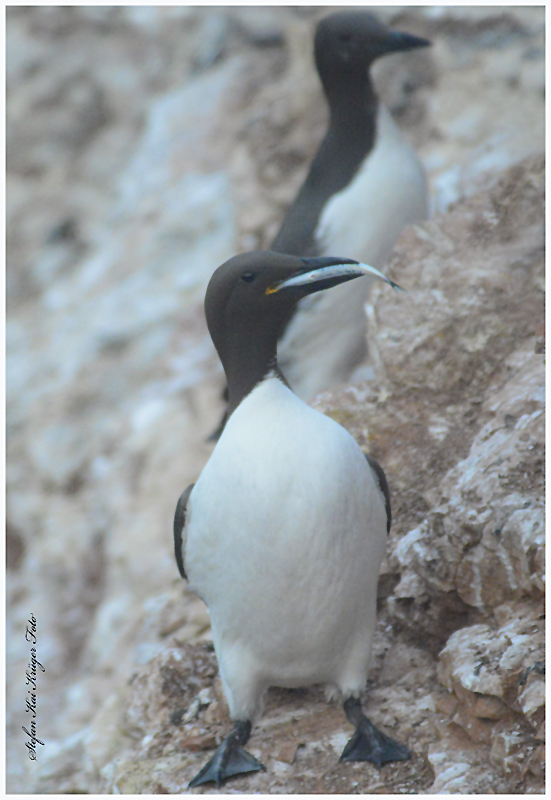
x,y
230,759
369,743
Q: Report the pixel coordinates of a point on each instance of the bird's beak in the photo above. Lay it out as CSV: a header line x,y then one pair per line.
x,y
397,41
323,273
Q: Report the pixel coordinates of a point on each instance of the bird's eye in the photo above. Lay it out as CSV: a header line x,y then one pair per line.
x,y
248,277
345,37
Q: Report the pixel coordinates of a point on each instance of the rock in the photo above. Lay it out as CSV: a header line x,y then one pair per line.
x,y
287,751
519,757
173,682
480,663
488,708
459,767
455,414
493,554
299,738
458,360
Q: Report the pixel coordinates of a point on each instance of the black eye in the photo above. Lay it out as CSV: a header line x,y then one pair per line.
x,y
345,37
248,277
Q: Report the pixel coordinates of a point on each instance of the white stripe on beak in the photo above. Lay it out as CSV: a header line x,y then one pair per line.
x,y
332,272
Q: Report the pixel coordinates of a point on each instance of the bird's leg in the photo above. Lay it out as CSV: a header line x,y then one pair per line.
x,y
368,743
230,758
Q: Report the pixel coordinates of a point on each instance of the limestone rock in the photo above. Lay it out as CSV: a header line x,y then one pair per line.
x,y
461,767
497,677
176,716
455,415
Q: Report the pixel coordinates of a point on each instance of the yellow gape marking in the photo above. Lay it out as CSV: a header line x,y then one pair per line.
x,y
273,288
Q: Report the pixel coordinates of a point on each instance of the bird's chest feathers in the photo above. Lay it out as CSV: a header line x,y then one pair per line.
x,y
281,477
388,191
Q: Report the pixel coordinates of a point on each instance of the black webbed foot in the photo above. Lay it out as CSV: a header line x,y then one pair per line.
x,y
369,743
230,758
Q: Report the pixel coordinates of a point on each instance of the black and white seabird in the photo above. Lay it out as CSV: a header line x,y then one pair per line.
x,y
364,186
284,532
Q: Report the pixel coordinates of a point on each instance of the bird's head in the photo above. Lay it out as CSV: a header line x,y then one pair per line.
x,y
252,296
354,39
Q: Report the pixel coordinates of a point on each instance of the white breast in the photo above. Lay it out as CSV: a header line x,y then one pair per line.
x,y
326,338
285,535
389,192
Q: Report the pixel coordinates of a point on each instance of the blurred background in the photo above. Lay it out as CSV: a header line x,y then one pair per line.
x,y
146,145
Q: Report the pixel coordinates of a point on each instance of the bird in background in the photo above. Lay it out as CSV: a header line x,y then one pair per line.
x,y
364,186
284,532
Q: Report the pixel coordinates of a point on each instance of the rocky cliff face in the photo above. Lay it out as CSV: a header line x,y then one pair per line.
x,y
146,146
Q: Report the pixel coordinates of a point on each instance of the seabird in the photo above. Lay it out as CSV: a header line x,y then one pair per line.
x,y
364,186
284,532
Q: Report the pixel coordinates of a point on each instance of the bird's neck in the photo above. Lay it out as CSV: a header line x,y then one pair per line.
x,y
353,107
247,365
352,102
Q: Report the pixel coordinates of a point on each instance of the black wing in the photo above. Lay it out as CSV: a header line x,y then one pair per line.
x,y
383,486
179,523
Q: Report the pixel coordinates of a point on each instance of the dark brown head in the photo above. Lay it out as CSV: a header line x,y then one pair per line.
x,y
249,301
349,41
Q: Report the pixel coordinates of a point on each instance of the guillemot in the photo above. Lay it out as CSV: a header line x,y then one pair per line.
x,y
284,532
364,186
